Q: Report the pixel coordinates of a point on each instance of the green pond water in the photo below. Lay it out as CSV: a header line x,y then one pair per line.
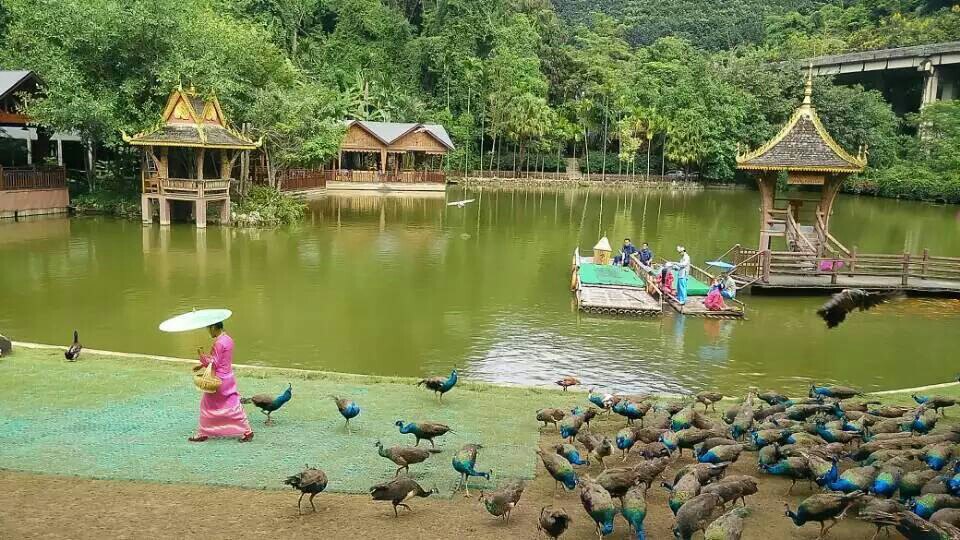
x,y
406,285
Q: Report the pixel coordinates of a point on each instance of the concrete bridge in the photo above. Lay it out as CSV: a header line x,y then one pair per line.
x,y
909,77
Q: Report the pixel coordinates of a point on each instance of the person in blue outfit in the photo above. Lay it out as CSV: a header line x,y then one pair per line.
x,y
683,271
623,259
646,256
728,287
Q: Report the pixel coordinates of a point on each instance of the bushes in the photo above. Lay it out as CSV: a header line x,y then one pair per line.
x,y
108,203
267,207
907,180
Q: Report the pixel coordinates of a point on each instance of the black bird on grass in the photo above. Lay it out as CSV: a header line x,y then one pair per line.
x,y
73,353
836,309
553,521
310,480
399,490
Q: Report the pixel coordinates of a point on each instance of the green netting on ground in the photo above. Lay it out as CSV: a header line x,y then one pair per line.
x,y
129,418
605,274
695,287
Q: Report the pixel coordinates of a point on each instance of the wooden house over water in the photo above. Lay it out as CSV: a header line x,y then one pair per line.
x,y
188,158
809,157
391,156
33,178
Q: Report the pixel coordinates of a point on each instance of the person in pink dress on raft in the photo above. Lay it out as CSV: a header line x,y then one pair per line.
x,y
221,414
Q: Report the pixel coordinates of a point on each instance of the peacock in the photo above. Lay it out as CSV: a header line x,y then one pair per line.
x,y
721,454
857,479
550,416
633,506
501,502
72,353
569,427
822,507
603,401
836,392
937,403
269,404
598,447
571,454
729,526
598,504
348,409
559,468
631,410
836,435
440,385
553,521
953,482
947,515
794,468
912,483
398,491
766,437
772,397
310,480
732,488
709,399
926,504
937,456
911,526
868,512
695,514
682,490
405,456
743,422
887,481
836,309
465,462
683,418
923,422
423,430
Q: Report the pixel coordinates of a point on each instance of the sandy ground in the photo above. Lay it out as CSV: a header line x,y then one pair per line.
x,y
39,506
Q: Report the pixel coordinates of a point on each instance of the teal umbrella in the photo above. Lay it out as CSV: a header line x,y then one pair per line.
x,y
721,265
195,320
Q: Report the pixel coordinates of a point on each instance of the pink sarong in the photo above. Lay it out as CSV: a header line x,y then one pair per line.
x,y
221,414
714,301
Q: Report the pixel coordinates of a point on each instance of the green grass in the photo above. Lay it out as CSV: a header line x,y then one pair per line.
x,y
129,418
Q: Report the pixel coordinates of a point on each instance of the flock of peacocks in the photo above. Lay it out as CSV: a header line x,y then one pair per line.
x,y
887,464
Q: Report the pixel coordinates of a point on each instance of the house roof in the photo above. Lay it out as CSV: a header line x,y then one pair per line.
x,y
390,132
10,81
803,144
189,120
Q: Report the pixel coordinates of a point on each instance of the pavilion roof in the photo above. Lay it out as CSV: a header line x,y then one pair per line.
x,y
803,144
11,81
390,132
189,120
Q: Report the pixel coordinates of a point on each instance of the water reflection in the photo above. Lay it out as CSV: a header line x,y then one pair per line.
x,y
406,285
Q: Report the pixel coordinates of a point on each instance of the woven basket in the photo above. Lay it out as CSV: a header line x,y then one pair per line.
x,y
205,380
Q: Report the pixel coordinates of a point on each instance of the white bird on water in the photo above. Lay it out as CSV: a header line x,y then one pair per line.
x,y
460,204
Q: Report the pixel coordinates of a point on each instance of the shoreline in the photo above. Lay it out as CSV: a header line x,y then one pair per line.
x,y
311,374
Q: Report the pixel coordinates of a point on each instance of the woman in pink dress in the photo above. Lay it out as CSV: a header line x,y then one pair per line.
x,y
221,414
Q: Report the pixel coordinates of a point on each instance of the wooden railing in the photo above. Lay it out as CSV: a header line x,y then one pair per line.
x,y
403,177
560,176
300,179
14,178
187,187
901,268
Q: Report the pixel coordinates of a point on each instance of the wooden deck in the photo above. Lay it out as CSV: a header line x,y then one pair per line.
x,y
617,301
827,284
694,307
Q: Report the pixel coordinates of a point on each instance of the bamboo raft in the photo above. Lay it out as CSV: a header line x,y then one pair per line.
x,y
613,298
694,305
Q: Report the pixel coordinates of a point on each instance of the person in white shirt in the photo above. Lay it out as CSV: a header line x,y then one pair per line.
x,y
683,270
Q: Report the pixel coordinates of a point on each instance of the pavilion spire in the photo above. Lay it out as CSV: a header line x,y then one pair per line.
x,y
808,88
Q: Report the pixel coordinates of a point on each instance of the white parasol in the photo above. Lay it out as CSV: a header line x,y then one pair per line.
x,y
194,320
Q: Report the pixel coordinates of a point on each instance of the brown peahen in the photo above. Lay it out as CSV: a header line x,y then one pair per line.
x,y
502,501
310,480
553,521
398,491
405,456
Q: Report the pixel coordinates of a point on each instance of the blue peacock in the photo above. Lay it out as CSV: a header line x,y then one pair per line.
x,y
598,504
440,385
465,463
269,404
348,409
634,510
559,468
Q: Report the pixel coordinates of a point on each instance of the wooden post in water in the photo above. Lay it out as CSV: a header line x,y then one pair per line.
x,y
853,261
833,271
765,256
905,276
923,266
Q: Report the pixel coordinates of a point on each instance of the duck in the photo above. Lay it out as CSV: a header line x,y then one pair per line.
x,y
423,430
502,501
398,491
465,462
822,507
550,416
571,454
633,507
567,382
348,409
310,480
405,456
72,354
553,521
560,470
269,404
695,514
440,385
729,526
598,504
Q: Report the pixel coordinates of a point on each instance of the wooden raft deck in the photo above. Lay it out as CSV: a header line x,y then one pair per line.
x,y
612,299
694,305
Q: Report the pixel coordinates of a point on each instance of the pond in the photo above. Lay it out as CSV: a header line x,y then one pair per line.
x,y
406,285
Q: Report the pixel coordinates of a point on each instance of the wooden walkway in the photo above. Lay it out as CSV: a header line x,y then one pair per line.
x,y
786,271
617,301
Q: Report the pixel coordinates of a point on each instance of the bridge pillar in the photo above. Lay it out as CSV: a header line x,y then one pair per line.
x,y
931,83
